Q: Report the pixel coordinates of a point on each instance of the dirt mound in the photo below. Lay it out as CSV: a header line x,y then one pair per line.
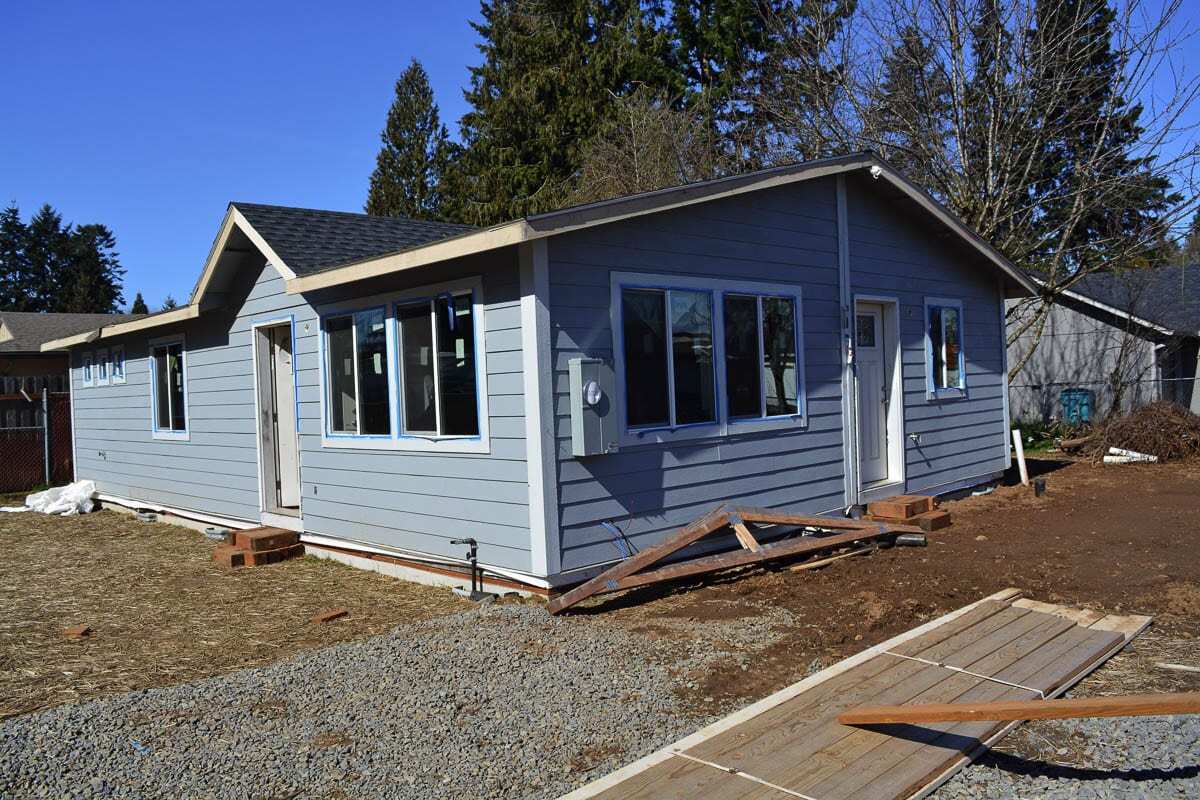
x,y
1166,430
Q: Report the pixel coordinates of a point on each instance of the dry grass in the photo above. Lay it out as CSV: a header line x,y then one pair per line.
x,y
161,612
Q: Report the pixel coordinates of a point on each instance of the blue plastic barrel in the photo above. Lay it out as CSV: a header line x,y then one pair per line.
x,y
1076,405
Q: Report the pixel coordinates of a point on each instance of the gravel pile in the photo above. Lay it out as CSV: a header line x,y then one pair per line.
x,y
503,702
1146,757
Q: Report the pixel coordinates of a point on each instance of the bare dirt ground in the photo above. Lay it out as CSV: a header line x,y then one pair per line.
x,y
161,612
1119,539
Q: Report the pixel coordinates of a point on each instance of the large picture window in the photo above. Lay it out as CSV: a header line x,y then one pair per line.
x,y
695,355
408,373
169,383
675,385
357,368
945,360
437,356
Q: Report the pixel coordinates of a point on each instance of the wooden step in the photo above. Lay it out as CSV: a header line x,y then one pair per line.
x,y
901,507
259,539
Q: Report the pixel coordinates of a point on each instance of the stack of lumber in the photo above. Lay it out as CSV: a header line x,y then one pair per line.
x,y
909,509
258,546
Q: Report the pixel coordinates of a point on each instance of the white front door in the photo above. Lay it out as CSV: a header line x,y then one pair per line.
x,y
287,456
873,393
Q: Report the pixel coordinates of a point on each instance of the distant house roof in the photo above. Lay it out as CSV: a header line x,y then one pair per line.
x,y
1166,297
310,241
25,332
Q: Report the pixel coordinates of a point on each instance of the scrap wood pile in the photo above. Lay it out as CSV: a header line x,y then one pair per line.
x,y
1166,431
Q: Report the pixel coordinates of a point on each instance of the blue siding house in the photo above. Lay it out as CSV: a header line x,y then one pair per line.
x,y
807,337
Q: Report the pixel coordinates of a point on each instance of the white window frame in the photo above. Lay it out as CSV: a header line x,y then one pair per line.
x,y
723,426
117,359
932,391
353,314
102,367
398,440
87,369
169,434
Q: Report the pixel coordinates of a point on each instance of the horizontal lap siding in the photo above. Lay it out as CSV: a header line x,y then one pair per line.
x,y
216,470
420,501
779,235
897,253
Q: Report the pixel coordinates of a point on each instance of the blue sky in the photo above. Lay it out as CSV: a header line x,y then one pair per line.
x,y
150,117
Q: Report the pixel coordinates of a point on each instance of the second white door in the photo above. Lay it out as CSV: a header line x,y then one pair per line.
x,y
873,394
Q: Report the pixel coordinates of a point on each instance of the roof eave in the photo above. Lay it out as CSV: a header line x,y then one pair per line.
x,y
181,314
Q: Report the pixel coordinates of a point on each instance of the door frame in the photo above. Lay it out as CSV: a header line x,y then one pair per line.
x,y
270,513
897,479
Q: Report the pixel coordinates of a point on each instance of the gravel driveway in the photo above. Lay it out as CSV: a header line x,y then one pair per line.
x,y
502,702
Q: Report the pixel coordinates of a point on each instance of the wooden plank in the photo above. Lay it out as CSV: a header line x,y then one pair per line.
x,y
1080,616
645,767
744,536
717,518
773,517
741,558
1138,705
822,562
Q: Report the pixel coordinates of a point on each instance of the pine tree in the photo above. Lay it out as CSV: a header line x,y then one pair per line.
x,y
549,71
46,246
1077,35
89,277
139,305
412,161
14,265
169,303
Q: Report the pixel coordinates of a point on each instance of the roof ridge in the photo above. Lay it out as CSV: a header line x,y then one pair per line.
x,y
354,214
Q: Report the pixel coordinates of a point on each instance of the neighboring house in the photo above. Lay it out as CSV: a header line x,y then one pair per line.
x,y
806,337
26,374
1119,340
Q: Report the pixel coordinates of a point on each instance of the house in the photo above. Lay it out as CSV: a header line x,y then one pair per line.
x,y
1114,341
564,385
25,374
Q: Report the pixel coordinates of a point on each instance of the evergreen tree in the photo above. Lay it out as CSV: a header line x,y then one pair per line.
x,y
549,71
413,159
139,305
89,277
47,243
14,266
1077,35
169,303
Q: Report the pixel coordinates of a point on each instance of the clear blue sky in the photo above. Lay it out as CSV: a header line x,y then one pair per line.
x,y
149,116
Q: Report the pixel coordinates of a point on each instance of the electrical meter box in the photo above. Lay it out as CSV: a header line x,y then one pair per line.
x,y
592,418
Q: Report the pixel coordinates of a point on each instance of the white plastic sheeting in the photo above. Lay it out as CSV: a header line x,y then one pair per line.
x,y
74,498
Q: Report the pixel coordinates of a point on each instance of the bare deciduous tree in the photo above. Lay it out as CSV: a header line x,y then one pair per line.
x,y
1058,129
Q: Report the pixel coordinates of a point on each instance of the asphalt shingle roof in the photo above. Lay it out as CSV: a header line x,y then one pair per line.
x,y
31,330
1166,296
311,241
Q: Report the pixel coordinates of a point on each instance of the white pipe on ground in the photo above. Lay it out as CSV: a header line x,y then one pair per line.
x,y
1019,446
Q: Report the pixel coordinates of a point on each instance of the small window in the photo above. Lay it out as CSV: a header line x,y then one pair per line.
x,y
102,367
118,363
169,382
944,356
761,364
439,392
668,387
86,372
357,368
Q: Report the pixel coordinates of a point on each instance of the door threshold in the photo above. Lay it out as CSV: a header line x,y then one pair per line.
x,y
289,522
876,491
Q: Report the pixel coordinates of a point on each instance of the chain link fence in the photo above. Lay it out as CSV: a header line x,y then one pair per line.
x,y
35,438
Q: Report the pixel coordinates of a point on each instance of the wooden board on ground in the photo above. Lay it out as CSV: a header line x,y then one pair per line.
x,y
1136,705
791,743
631,572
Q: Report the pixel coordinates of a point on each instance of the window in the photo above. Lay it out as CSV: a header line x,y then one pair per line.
x,y
668,388
408,374
761,365
357,369
169,383
696,357
87,375
945,362
439,394
118,363
102,367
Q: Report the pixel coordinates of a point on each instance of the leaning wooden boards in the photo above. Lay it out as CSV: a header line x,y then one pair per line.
x,y
791,744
